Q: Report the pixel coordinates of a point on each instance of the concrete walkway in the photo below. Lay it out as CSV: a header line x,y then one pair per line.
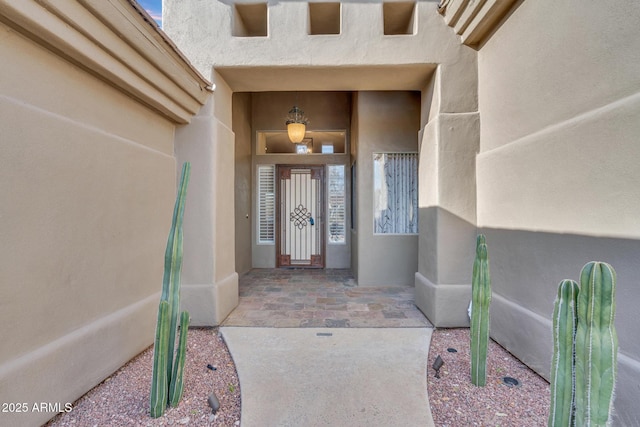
x,y
331,376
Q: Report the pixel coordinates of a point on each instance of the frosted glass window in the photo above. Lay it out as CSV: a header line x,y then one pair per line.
x,y
337,200
327,148
395,188
266,204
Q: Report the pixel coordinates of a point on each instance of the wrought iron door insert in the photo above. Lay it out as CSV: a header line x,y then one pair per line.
x,y
300,216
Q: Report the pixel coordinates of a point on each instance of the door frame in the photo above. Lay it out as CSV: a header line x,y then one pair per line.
x,y
319,169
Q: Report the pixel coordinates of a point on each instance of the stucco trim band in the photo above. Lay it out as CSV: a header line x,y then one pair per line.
x,y
114,42
474,20
521,331
67,367
444,305
210,304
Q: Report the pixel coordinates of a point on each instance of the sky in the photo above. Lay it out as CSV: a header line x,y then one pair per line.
x,y
153,8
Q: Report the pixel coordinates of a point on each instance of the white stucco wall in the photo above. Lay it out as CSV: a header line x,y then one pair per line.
x,y
557,171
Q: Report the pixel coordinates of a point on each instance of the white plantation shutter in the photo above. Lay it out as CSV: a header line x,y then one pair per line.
x,y
266,203
337,200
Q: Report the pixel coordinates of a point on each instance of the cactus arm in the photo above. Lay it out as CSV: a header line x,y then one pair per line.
x,y
173,252
481,299
562,409
596,345
177,380
159,375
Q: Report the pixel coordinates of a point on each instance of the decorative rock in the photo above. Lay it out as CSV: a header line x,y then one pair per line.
x,y
214,403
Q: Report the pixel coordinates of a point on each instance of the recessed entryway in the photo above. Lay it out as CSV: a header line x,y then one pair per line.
x,y
321,298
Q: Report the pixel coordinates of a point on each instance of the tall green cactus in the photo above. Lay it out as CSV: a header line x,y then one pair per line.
x,y
163,380
173,262
596,345
565,320
481,299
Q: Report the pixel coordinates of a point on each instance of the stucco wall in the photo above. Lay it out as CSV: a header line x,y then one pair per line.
x,y
243,180
87,185
449,140
209,280
360,57
89,103
557,172
387,122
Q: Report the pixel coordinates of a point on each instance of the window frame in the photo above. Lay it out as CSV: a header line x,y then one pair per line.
x,y
415,211
344,205
262,205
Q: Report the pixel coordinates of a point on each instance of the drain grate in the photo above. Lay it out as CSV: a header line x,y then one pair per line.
x,y
324,334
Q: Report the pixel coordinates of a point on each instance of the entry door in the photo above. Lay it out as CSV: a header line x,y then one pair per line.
x,y
301,217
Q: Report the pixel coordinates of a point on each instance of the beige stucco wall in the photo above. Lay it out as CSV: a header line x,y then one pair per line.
x,y
387,122
361,57
557,171
87,190
209,279
87,179
243,180
449,141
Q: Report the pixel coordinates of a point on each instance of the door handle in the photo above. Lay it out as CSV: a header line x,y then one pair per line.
x,y
311,221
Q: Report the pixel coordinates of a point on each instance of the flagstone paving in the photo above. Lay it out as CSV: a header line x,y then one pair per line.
x,y
321,298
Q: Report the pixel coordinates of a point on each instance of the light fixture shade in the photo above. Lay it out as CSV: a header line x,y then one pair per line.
x,y
296,124
296,132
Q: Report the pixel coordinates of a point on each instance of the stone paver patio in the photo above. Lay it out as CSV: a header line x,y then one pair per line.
x,y
321,298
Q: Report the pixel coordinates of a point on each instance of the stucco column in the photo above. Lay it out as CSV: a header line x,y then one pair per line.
x,y
209,280
449,143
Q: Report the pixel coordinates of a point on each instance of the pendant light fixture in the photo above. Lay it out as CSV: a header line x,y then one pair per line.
x,y
296,124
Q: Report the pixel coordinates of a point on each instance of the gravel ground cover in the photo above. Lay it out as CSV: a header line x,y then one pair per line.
x,y
456,402
123,398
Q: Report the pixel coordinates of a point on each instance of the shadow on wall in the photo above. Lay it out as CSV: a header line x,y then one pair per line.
x,y
526,268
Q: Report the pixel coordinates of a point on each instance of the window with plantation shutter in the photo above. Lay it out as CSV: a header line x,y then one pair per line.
x,y
266,204
337,212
